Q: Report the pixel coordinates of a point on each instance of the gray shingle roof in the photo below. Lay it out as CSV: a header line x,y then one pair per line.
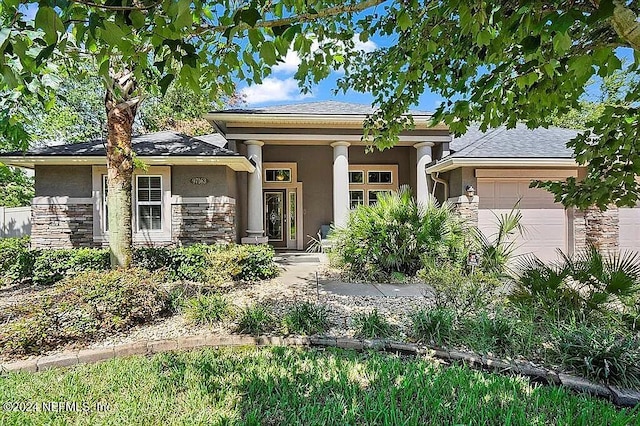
x,y
152,144
315,108
520,142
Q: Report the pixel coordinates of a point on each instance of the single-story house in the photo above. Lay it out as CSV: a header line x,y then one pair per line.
x,y
278,174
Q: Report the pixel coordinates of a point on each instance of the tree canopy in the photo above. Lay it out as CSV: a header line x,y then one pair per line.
x,y
505,62
16,188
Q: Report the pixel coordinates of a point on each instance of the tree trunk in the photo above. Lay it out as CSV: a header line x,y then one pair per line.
x,y
626,24
121,112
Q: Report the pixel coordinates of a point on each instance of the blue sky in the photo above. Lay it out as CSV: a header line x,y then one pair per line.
x,y
281,88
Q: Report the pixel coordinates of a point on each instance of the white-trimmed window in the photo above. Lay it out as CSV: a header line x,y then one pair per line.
x,y
356,198
151,205
277,175
379,177
105,212
149,202
356,177
366,182
372,195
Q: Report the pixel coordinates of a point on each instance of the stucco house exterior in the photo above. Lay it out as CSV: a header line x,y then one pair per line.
x,y
278,174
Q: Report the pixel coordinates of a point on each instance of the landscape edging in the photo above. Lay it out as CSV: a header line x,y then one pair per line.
x,y
620,397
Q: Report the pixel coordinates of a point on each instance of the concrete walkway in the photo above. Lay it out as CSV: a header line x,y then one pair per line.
x,y
305,267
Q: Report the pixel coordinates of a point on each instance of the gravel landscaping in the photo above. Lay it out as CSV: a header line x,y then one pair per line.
x,y
297,283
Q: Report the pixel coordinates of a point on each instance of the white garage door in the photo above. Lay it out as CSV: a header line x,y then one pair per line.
x,y
544,222
629,229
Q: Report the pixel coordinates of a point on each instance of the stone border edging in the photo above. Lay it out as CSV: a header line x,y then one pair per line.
x,y
620,397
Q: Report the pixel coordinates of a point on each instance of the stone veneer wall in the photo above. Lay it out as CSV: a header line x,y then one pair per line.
x,y
204,222
466,208
61,225
593,226
71,225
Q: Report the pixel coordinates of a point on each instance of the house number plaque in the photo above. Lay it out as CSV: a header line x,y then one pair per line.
x,y
199,180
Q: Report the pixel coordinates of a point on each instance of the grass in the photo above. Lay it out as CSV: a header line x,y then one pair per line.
x,y
296,386
372,325
255,319
207,309
306,318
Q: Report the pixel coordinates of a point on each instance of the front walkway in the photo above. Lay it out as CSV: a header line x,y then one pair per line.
x,y
311,268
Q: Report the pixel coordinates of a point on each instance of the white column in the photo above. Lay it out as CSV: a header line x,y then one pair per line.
x,y
255,207
340,183
423,158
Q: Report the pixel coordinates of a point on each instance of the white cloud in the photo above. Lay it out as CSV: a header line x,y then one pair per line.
x,y
292,60
273,90
367,46
290,64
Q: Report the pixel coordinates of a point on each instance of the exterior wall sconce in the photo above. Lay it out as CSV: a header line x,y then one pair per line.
x,y
470,190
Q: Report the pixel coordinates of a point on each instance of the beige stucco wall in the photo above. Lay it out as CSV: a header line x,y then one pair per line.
x,y
219,181
63,181
315,171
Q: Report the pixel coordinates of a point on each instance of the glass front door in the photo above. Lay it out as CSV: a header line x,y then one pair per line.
x,y
275,217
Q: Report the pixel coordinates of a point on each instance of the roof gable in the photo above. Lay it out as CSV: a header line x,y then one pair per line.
x,y
166,143
314,108
519,142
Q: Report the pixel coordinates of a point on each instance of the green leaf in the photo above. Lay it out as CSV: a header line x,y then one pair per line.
x,y
249,16
561,42
277,31
4,35
184,17
530,44
484,38
604,11
404,21
268,53
255,38
45,54
165,82
49,22
112,33
137,19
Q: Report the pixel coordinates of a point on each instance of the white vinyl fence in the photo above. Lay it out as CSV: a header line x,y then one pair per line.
x,y
15,221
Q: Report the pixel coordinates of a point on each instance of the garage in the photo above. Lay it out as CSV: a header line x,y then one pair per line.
x,y
629,228
545,222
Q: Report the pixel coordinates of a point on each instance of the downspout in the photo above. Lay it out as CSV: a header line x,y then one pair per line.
x,y
444,183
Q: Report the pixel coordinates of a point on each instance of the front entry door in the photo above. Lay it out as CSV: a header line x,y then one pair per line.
x,y
275,212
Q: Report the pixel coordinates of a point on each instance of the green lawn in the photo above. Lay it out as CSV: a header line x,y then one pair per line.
x,y
296,386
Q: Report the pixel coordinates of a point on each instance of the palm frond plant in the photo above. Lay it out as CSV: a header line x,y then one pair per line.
x,y
579,285
498,250
604,279
394,235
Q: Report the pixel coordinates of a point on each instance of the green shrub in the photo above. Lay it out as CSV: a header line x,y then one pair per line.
x,y
213,264
256,262
394,235
255,319
600,353
580,286
496,333
207,309
372,325
306,318
152,258
497,251
84,306
436,326
50,266
16,261
462,292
